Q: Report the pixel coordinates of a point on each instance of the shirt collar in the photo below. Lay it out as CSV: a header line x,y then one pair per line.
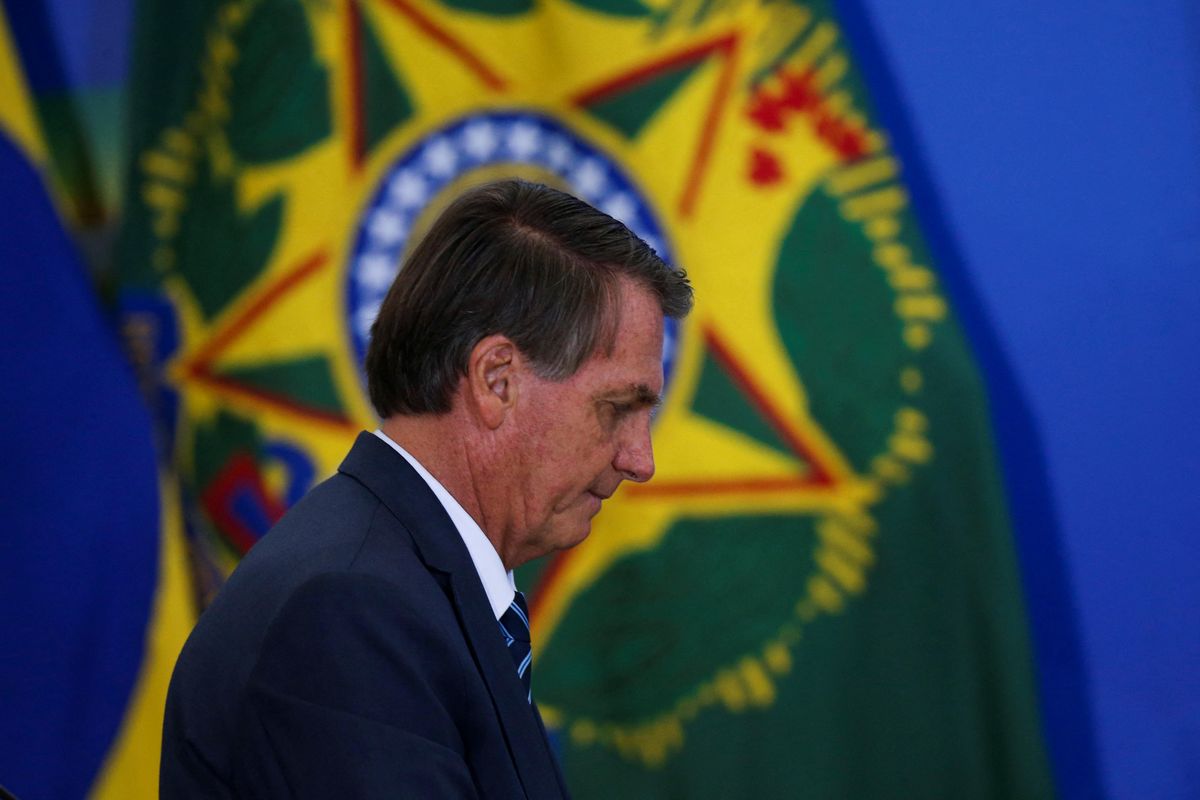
x,y
498,582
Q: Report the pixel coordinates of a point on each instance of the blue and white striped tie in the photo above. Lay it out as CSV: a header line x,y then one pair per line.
x,y
514,624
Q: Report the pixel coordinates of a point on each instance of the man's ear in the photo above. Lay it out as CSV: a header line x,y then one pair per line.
x,y
492,378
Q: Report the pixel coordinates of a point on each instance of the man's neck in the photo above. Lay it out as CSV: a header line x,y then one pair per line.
x,y
444,444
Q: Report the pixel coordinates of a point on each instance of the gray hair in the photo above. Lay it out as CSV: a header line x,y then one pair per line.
x,y
514,258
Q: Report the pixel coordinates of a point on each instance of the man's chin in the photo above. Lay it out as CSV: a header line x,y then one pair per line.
x,y
564,536
578,536
575,535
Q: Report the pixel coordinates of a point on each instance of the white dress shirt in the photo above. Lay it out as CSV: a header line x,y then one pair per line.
x,y
497,581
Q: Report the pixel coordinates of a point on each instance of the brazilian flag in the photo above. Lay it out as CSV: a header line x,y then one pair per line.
x,y
94,591
817,594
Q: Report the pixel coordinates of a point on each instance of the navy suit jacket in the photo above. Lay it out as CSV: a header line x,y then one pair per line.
x,y
353,653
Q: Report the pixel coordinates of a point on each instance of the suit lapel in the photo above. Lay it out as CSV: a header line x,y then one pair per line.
x,y
526,740
382,470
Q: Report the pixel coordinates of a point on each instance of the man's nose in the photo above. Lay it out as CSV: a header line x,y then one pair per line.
x,y
635,456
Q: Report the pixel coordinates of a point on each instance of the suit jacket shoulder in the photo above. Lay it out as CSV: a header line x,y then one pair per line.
x,y
353,652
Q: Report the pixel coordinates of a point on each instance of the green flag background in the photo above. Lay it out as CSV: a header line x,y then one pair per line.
x,y
1061,142
817,595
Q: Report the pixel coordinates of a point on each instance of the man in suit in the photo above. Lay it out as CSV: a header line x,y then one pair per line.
x,y
373,643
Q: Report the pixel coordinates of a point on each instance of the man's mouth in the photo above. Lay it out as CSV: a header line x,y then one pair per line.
x,y
598,498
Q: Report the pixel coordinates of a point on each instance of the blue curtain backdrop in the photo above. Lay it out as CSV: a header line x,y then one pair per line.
x,y
78,505
1061,143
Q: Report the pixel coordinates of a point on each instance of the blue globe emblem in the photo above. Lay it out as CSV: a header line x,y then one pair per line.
x,y
485,140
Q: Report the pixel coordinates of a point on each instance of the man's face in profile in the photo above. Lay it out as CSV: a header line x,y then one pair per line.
x,y
577,439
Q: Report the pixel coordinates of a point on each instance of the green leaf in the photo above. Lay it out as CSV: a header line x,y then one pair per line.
x,y
279,93
495,8
135,249
386,103
630,110
169,41
616,8
217,441
530,574
642,636
220,250
848,353
718,398
306,381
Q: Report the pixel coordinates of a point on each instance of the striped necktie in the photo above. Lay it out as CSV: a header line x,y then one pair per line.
x,y
514,624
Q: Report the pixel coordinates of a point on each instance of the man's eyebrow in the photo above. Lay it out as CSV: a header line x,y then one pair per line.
x,y
647,396
640,393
